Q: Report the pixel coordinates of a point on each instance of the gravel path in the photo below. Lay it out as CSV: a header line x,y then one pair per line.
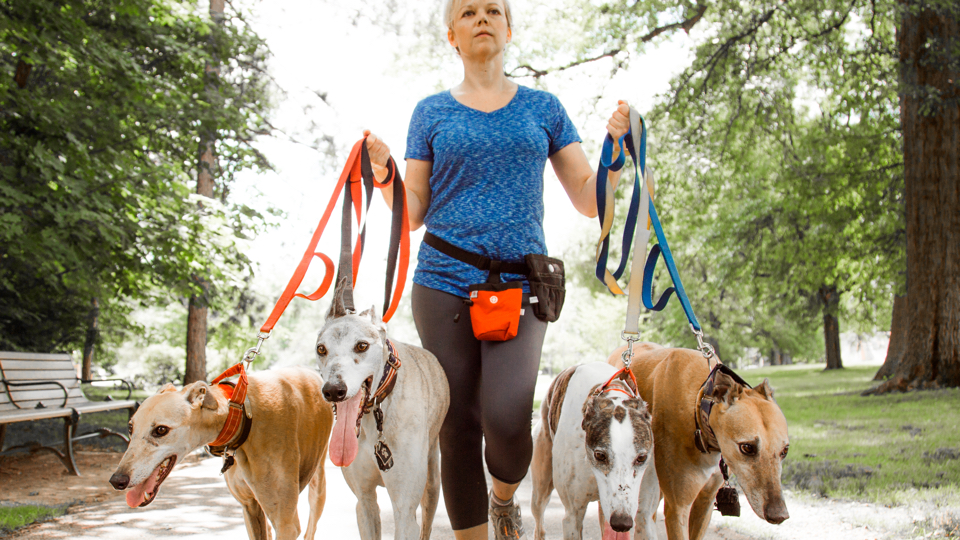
x,y
195,504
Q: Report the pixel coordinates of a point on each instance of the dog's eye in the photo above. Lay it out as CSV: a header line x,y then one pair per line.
x,y
641,459
321,350
783,453
748,449
130,429
160,431
600,456
362,346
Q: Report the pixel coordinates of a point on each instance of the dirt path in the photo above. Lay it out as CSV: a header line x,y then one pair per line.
x,y
195,504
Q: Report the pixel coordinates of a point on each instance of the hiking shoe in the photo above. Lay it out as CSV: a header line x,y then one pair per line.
x,y
506,519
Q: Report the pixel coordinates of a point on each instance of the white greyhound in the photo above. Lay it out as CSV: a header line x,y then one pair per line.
x,y
355,359
594,443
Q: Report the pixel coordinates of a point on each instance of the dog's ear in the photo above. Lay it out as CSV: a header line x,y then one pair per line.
x,y
199,395
640,406
371,314
765,390
169,387
336,305
725,389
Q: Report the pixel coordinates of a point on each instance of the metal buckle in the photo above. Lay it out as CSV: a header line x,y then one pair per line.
x,y
627,355
252,352
705,348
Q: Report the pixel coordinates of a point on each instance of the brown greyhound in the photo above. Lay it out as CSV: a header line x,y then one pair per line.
x,y
749,429
283,453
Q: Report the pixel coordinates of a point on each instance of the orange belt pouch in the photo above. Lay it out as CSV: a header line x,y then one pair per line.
x,y
495,309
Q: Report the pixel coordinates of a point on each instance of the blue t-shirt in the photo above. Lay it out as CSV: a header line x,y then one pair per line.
x,y
487,180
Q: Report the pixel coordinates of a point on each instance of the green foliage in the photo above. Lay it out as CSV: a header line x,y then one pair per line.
x,y
14,517
98,151
778,161
877,449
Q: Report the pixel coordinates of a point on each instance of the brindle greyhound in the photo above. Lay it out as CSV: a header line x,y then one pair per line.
x,y
593,445
748,429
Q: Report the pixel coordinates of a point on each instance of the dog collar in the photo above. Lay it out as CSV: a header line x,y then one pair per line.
x,y
622,381
704,437
387,381
237,420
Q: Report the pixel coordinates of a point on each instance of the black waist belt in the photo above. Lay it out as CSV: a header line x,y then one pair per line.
x,y
477,261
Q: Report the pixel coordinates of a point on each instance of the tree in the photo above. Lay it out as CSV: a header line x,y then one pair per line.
x,y
778,151
98,139
929,48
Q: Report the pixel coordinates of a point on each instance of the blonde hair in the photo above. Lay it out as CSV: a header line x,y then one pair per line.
x,y
451,6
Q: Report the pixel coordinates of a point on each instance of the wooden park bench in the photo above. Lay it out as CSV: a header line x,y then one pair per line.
x,y
40,386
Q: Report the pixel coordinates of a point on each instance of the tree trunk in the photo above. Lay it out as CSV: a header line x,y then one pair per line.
x,y
830,299
776,359
196,368
930,118
898,339
91,340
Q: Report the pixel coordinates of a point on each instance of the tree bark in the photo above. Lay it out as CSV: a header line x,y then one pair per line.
x,y
930,118
898,339
196,367
90,341
830,299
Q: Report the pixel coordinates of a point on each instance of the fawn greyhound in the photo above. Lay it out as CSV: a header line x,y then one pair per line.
x,y
283,453
745,426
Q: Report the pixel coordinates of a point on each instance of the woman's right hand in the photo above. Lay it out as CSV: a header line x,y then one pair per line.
x,y
379,154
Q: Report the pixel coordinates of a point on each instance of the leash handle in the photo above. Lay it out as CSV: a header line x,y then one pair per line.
x,y
359,173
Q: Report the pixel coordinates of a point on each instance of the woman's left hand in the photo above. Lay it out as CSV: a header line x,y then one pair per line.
x,y
619,123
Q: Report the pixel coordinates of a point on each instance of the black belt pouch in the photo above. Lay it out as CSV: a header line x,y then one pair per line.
x,y
546,286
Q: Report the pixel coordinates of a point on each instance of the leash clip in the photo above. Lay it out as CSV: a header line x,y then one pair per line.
x,y
705,348
630,338
253,352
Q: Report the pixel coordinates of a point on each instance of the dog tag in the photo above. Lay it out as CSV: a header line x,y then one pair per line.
x,y
227,463
728,501
384,456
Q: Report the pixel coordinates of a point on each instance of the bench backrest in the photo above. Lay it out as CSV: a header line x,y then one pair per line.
x,y
35,367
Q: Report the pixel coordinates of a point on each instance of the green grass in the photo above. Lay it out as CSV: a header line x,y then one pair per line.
x,y
891,449
14,517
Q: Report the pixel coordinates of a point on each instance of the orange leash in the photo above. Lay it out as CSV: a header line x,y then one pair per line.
x,y
356,171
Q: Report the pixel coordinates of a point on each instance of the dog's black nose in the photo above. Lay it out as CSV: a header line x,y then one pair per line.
x,y
119,481
334,393
621,522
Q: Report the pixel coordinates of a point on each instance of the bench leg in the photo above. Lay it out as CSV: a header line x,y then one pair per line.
x,y
3,433
69,425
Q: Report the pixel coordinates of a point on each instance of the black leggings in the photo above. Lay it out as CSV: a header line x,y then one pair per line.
x,y
491,397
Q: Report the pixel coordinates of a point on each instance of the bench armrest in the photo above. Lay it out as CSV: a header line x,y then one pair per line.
x,y
33,383
123,382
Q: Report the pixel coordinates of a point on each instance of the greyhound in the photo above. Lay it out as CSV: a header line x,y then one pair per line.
x,y
284,404
355,359
594,445
749,428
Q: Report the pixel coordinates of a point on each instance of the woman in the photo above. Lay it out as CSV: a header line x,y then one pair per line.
x,y
475,162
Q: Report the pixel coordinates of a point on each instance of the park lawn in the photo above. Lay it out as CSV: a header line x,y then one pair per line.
x,y
890,449
14,517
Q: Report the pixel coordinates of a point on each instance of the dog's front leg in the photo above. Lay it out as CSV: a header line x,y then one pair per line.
x,y
253,516
363,482
405,483
541,469
702,508
573,519
645,523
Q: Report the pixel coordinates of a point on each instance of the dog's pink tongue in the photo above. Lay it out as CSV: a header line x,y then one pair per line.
x,y
610,534
138,493
343,443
